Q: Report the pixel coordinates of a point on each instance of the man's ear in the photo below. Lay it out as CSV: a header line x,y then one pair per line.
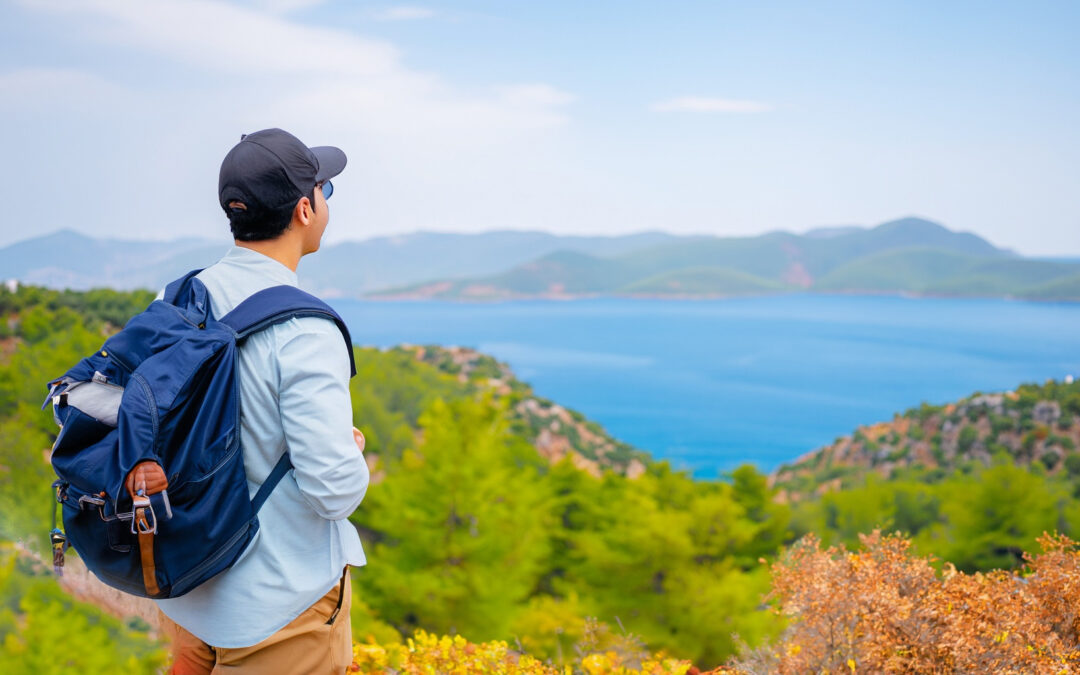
x,y
303,212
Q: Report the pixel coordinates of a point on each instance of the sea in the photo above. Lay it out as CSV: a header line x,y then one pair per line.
x,y
711,384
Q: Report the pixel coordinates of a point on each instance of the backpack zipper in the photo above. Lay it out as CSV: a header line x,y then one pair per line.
x,y
214,559
234,447
116,359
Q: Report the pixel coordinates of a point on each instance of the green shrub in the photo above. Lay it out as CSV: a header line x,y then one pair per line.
x,y
1050,460
967,438
1072,465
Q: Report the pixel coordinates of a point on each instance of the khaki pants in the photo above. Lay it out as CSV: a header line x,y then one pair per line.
x,y
306,646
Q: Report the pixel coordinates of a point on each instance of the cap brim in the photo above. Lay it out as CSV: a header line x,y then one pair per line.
x,y
331,162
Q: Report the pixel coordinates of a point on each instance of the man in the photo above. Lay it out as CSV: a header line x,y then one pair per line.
x,y
283,607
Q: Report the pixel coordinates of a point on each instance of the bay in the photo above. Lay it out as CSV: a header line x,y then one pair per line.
x,y
711,384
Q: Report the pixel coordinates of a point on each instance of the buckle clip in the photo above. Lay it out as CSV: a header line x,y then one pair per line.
x,y
93,501
58,544
144,520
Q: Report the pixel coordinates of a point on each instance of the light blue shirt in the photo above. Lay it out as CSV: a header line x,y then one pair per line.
x,y
294,396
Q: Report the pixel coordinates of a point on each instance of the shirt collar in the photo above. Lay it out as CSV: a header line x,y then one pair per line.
x,y
249,259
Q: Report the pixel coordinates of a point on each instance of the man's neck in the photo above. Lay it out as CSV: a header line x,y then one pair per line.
x,y
281,249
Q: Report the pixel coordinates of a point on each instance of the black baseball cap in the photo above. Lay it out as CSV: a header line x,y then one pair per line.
x,y
270,169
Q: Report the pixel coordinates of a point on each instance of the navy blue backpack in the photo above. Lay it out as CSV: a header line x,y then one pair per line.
x,y
165,389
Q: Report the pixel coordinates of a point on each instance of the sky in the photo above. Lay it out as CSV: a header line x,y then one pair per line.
x,y
594,117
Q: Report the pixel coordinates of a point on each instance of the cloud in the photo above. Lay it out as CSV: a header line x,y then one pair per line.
x,y
286,6
194,74
535,94
403,13
32,89
226,38
353,77
713,105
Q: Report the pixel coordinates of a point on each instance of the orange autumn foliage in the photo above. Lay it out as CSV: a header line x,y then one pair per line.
x,y
884,610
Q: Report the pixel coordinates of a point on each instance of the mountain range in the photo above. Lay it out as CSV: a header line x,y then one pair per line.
x,y
69,259
910,255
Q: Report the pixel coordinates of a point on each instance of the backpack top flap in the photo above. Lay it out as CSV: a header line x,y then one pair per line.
x,y
161,324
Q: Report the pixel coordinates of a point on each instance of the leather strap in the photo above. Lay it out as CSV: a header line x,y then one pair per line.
x,y
146,552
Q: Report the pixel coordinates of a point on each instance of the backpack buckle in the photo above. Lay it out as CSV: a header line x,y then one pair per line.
x,y
144,521
58,544
93,501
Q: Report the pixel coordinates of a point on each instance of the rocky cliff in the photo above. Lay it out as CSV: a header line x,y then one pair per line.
x,y
1035,425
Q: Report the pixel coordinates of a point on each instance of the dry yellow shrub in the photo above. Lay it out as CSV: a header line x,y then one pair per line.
x,y
428,654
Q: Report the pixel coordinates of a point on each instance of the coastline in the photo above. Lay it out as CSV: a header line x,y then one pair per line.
x,y
566,297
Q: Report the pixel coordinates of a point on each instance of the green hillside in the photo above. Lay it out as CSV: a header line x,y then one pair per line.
x,y
492,513
407,260
904,256
499,515
974,482
703,281
762,256
905,233
1066,288
555,274
904,269
939,272
562,272
777,255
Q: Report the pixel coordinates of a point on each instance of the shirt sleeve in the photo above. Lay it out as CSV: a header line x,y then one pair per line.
x,y
316,415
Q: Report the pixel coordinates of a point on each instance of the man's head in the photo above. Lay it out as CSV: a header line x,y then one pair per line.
x,y
269,179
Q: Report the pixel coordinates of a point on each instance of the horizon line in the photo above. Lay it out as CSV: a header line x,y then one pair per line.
x,y
509,230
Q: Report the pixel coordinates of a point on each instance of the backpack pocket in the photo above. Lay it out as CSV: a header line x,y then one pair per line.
x,y
78,430
102,540
85,451
97,399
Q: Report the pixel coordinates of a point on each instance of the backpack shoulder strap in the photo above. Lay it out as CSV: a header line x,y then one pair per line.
x,y
280,469
280,303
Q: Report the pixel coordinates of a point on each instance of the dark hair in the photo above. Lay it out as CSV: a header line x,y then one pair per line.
x,y
262,224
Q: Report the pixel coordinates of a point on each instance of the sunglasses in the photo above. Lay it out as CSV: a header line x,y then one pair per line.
x,y
327,188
